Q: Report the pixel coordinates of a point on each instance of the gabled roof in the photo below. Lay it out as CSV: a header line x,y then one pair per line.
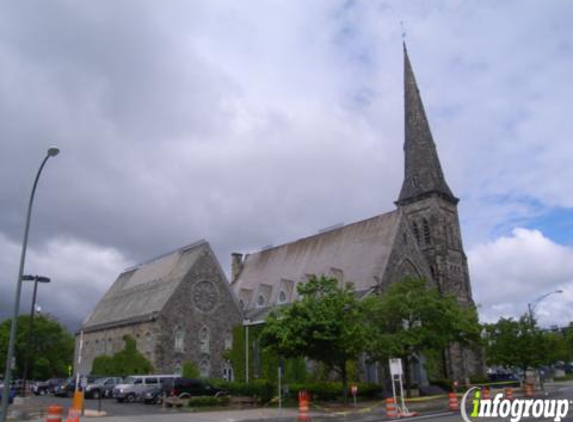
x,y
360,250
142,291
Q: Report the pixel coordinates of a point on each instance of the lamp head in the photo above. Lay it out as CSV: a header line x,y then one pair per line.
x,y
53,151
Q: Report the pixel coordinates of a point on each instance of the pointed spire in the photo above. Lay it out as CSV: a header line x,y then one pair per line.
x,y
423,174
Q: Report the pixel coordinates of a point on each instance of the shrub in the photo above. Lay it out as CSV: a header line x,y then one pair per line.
x,y
208,401
262,389
333,390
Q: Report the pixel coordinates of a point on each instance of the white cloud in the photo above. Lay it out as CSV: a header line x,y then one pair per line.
x,y
512,271
80,273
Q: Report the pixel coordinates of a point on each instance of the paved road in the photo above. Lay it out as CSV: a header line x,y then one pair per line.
x,y
137,412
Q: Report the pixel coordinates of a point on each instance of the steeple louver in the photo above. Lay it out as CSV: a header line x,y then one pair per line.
x,y
423,174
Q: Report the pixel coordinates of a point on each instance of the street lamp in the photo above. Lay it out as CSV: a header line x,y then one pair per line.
x,y
531,306
52,152
36,279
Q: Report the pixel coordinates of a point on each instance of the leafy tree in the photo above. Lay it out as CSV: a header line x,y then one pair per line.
x,y
523,344
51,352
126,362
412,318
326,325
190,370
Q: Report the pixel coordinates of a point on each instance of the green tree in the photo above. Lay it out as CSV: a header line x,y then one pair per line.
x,y
523,344
326,325
412,318
51,352
128,361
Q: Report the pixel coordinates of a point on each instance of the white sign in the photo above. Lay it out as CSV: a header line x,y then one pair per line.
x,y
396,367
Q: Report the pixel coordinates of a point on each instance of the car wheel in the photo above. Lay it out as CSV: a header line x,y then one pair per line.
x,y
96,394
42,392
130,398
184,396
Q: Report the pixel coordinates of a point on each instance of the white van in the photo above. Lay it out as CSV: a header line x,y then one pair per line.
x,y
135,385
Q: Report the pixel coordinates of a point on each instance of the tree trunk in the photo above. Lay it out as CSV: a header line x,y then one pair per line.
x,y
344,382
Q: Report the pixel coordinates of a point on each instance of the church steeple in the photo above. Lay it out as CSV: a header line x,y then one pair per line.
x,y
423,174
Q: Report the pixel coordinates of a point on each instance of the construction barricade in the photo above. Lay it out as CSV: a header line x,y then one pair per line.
x,y
453,404
391,410
54,414
303,406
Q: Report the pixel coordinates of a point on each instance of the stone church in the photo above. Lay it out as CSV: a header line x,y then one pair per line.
x,y
178,307
181,307
421,237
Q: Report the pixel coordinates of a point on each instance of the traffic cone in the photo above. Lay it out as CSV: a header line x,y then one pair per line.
x,y
391,412
508,393
303,406
485,393
73,415
54,414
453,402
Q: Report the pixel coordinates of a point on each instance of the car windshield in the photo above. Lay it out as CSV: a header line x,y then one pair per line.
x,y
99,380
129,380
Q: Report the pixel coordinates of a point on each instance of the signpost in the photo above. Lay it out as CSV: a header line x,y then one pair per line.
x,y
396,374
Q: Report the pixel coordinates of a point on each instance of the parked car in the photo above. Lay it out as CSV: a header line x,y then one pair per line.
x,y
155,395
508,379
102,387
67,388
135,386
41,388
190,387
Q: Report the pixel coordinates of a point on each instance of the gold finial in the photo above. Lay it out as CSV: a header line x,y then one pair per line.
x,y
403,31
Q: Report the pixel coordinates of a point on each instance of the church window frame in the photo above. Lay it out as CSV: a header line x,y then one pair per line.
x,y
228,340
261,301
427,232
204,339
204,369
416,231
283,298
179,340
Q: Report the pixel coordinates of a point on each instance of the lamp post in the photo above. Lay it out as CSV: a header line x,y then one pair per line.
x,y
36,279
52,152
531,306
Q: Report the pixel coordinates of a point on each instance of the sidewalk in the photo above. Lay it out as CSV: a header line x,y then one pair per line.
x,y
217,416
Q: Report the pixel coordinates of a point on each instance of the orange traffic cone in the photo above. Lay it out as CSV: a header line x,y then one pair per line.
x,y
508,393
73,415
303,406
453,402
485,393
54,414
391,412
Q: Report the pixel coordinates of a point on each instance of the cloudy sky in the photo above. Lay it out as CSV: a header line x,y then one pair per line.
x,y
258,122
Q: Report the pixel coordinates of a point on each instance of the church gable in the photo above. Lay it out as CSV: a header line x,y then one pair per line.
x,y
195,321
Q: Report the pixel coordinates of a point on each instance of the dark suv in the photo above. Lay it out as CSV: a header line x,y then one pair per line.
x,y
190,387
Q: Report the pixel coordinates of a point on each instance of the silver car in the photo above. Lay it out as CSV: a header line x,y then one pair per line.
x,y
135,385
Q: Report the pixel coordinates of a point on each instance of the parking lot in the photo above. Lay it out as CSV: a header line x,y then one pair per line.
x,y
110,406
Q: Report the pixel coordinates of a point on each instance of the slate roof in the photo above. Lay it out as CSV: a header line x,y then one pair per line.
x,y
142,291
360,250
423,173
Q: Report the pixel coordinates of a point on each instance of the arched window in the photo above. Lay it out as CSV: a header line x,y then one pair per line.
x,y
228,340
179,339
416,231
204,369
427,234
282,297
204,338
261,301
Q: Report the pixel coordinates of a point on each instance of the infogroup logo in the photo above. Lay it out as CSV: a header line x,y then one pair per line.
x,y
514,409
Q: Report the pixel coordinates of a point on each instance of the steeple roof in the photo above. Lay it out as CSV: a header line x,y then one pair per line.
x,y
423,174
